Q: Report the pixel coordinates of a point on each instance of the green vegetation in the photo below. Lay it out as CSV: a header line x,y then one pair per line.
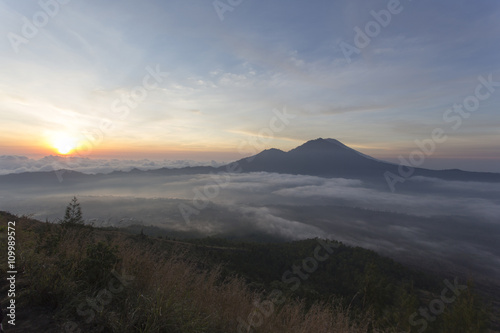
x,y
106,280
366,283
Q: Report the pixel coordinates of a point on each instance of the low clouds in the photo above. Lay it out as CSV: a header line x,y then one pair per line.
x,y
266,221
429,218
19,164
485,206
424,197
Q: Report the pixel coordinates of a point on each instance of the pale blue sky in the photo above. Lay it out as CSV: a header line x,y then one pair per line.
x,y
225,78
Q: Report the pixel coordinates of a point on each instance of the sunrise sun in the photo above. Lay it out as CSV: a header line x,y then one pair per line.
x,y
63,143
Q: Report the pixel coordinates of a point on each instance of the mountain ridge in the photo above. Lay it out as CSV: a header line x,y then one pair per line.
x,y
331,158
320,157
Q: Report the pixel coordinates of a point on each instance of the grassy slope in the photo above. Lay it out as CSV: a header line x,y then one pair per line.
x,y
81,278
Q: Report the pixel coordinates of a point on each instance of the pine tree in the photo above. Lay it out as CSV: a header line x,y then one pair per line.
x,y
73,213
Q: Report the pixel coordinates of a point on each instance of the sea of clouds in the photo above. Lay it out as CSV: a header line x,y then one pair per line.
x,y
19,164
429,219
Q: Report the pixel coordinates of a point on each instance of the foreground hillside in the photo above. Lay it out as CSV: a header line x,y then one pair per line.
x,y
76,278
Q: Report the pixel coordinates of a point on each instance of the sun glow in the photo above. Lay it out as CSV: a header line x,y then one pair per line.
x,y
63,143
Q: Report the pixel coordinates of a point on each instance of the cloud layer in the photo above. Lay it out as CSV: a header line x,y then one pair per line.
x,y
411,226
18,164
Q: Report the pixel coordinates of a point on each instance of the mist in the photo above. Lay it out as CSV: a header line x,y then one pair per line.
x,y
430,218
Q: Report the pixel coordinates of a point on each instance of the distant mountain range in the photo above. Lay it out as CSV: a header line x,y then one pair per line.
x,y
321,157
331,158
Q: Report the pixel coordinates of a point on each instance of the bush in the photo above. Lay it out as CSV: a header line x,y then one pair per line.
x,y
96,267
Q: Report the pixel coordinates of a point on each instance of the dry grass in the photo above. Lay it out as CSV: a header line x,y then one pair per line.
x,y
169,292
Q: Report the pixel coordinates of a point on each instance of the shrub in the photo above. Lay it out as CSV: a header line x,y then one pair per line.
x,y
96,267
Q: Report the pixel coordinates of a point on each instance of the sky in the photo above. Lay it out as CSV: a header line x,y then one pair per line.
x,y
219,80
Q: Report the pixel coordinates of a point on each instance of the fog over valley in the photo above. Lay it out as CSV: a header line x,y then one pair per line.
x,y
450,223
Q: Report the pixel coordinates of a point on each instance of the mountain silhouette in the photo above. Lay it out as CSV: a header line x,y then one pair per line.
x,y
331,158
320,157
